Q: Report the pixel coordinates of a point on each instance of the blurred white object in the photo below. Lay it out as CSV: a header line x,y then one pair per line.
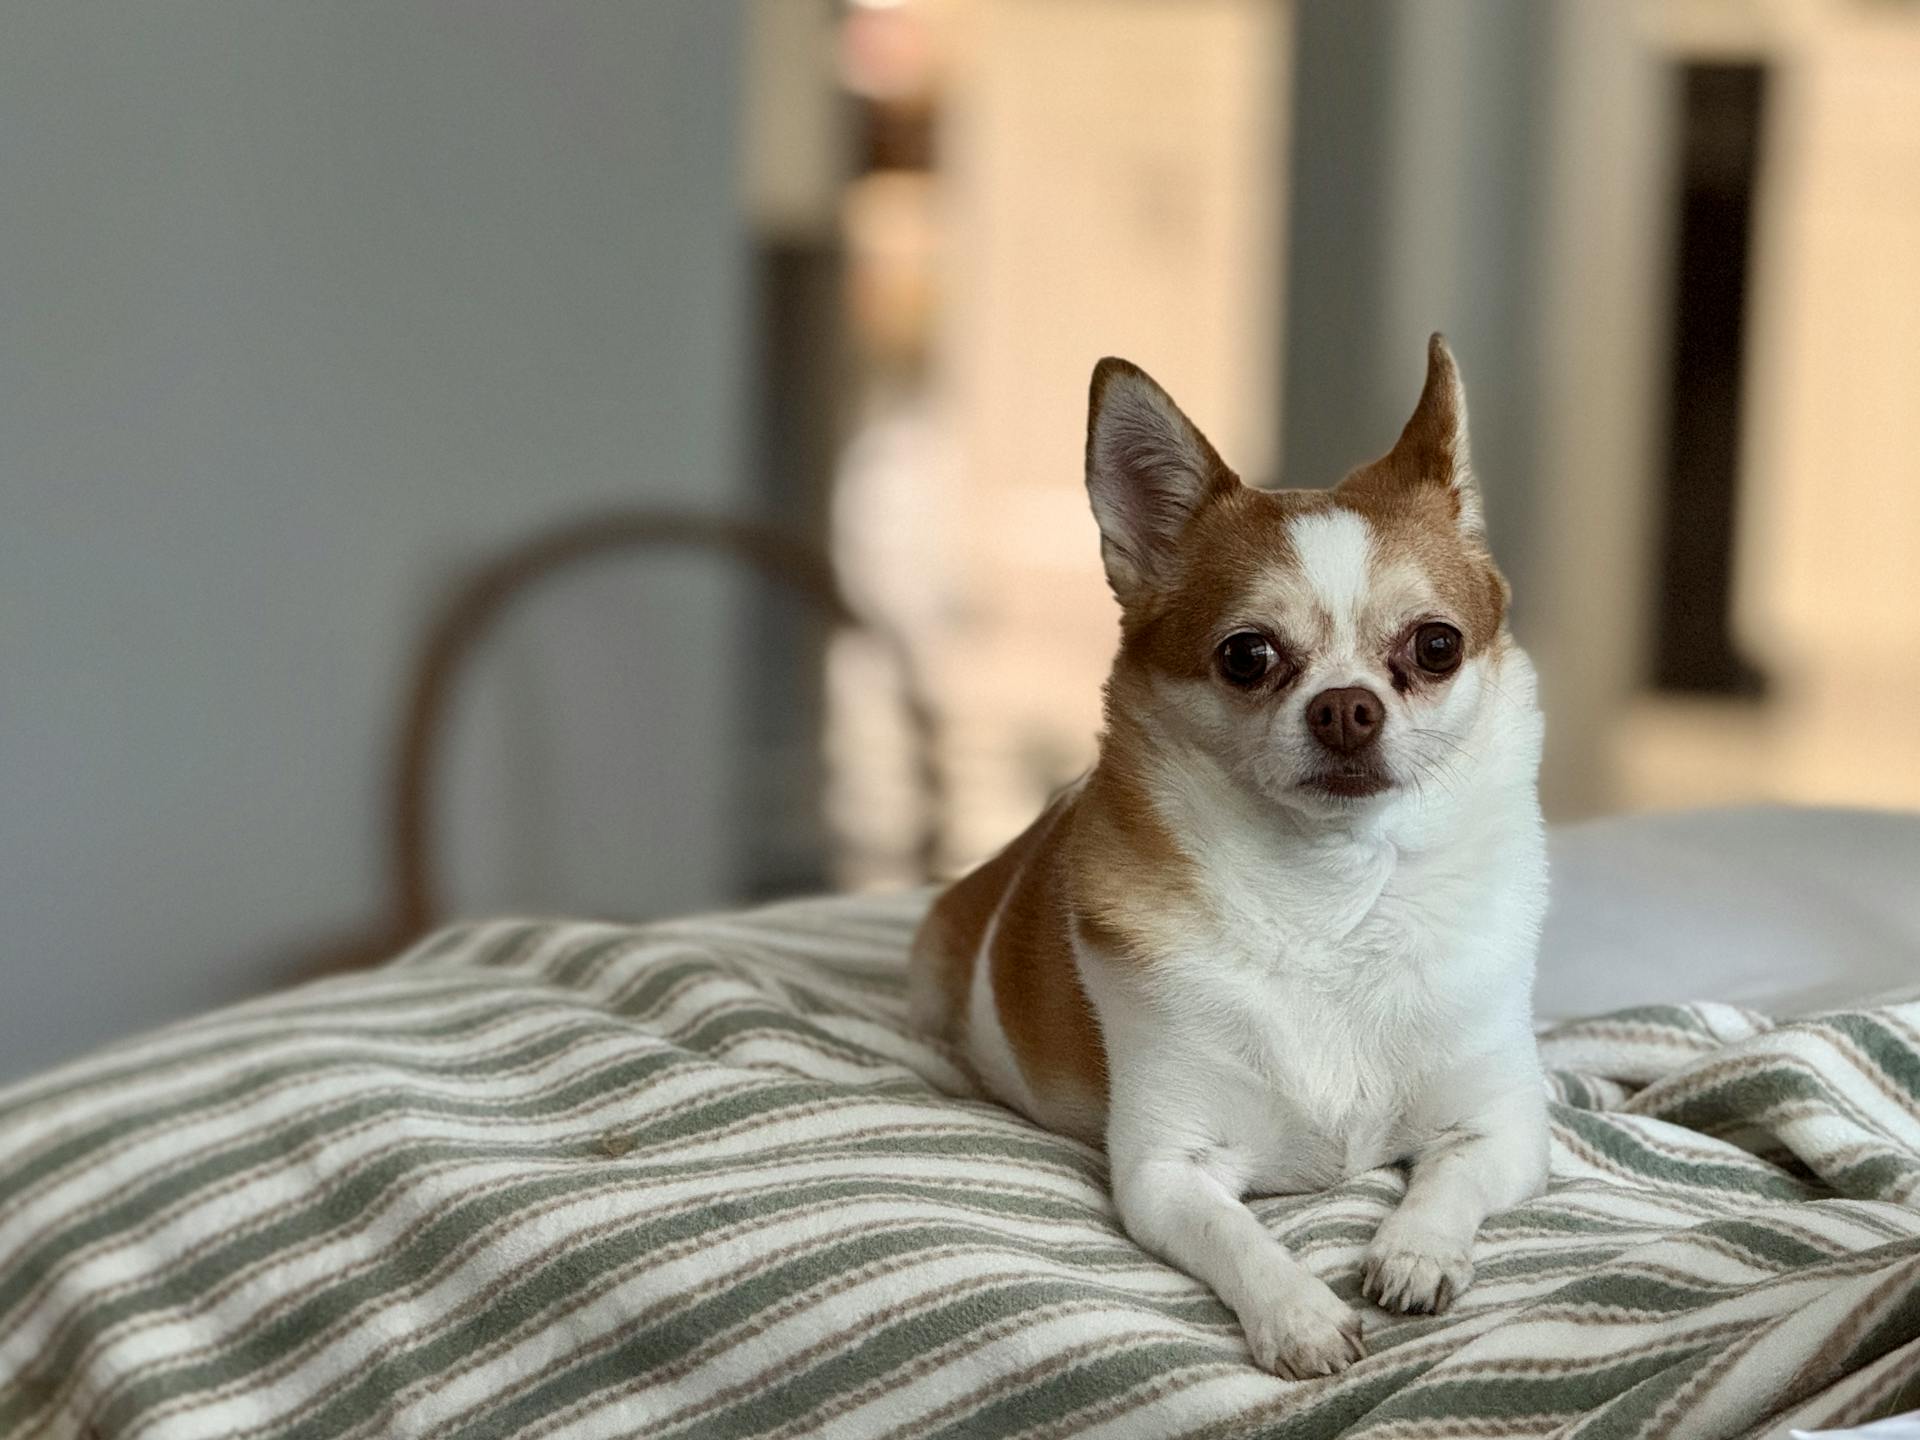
x,y
1894,1427
1783,910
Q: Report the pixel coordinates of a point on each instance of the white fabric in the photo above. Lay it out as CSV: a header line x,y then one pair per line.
x,y
1778,909
1894,1427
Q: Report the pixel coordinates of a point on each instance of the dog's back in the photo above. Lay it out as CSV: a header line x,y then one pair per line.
x,y
993,972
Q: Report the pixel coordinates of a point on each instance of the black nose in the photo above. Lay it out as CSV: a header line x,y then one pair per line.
x,y
1345,721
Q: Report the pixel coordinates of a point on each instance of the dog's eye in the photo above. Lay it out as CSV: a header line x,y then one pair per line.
x,y
1437,648
1246,658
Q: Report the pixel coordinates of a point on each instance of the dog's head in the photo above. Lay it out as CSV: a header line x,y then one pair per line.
x,y
1328,649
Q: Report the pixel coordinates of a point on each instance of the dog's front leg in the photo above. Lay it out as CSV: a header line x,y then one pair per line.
x,y
1422,1257
1173,1204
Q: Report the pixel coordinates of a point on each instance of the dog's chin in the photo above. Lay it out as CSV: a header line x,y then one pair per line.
x,y
1348,783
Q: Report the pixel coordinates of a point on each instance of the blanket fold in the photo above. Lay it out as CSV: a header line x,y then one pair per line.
x,y
699,1180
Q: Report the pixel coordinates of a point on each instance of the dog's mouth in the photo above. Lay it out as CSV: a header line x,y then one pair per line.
x,y
1349,782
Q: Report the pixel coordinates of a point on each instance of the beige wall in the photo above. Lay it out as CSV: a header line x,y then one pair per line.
x,y
1112,187
1828,573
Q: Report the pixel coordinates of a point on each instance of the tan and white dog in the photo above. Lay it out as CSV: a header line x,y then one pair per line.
x,y
1284,931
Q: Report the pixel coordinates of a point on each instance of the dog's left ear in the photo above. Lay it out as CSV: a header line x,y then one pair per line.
x,y
1433,449
1149,472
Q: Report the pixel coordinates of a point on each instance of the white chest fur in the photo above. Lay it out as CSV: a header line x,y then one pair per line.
x,y
1331,1012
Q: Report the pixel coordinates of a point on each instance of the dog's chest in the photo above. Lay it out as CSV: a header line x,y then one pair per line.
x,y
1315,1031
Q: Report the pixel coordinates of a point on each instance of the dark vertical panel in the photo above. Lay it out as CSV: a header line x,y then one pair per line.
x,y
1493,312
1720,158
1470,227
1338,172
798,377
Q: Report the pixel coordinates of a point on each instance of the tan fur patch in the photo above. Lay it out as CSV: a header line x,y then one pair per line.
x,y
1419,523
1239,540
1044,1011
1408,499
949,938
1417,498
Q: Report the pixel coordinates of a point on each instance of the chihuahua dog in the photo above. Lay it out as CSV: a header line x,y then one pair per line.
x,y
1284,931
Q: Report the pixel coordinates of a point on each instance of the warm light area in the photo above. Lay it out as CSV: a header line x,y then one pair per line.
x,y
1115,179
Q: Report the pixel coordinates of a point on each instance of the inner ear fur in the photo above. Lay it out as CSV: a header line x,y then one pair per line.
x,y
1149,471
1433,448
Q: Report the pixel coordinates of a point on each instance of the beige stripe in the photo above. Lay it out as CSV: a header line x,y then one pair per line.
x,y
1630,1033
1728,1158
1821,1367
1586,1314
220,1072
209,1299
793,1304
495,1236
956,1350
1695,1080
199,1199
230,1142
1863,1396
382,996
1003,1382
96,1167
1704,1380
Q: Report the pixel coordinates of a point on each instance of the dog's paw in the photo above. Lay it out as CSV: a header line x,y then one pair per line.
x,y
1413,1270
1303,1331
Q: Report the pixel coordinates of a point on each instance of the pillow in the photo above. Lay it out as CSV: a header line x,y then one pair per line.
x,y
1778,909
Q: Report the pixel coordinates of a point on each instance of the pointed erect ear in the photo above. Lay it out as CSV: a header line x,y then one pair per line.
x,y
1433,448
1149,471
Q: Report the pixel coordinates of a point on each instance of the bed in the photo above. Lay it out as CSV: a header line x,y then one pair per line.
x,y
698,1179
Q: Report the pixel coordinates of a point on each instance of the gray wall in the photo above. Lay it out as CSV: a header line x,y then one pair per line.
x,y
1419,169
1500,170
301,306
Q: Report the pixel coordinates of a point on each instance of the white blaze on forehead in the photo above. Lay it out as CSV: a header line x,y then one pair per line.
x,y
1335,553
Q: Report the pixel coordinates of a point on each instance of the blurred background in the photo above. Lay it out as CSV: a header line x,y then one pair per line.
x,y
371,376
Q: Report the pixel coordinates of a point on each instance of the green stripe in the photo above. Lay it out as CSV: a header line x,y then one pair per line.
x,y
1022,1202
310,1065
375,996
559,1282
1619,1144
1761,1240
451,1230
1900,1325
1627,1416
1885,1176
658,1345
135,1205
1519,1396
1740,1101
1894,1056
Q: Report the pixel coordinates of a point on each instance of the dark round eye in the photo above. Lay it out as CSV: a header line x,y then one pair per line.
x,y
1246,658
1437,648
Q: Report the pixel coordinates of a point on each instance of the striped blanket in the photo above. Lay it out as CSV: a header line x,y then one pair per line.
x,y
691,1180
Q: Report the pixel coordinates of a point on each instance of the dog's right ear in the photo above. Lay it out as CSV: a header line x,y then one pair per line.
x,y
1149,471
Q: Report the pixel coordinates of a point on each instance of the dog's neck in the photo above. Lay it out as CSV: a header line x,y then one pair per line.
x,y
1325,870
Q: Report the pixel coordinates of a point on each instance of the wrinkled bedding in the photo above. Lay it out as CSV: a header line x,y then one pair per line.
x,y
699,1180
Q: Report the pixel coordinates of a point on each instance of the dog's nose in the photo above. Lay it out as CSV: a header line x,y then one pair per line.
x,y
1345,721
